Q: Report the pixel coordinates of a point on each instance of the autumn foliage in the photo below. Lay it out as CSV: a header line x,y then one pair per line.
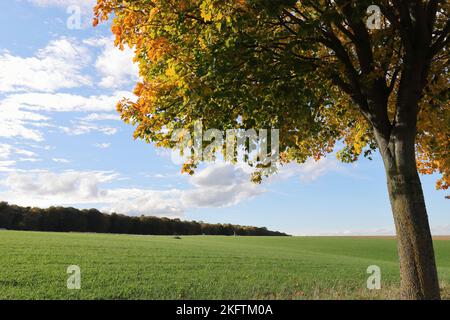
x,y
221,61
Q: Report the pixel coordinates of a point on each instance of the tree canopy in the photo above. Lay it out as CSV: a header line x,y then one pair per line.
x,y
309,68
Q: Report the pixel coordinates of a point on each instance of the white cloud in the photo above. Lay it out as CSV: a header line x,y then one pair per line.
x,y
62,3
21,113
115,66
309,171
7,150
146,202
29,159
57,66
85,4
216,186
443,230
101,117
7,166
85,128
386,231
45,188
219,175
26,153
436,230
31,85
102,145
15,122
220,185
60,160
64,102
219,197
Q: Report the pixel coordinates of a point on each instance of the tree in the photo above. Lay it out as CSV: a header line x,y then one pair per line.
x,y
320,71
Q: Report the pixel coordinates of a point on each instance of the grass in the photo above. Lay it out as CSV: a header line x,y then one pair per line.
x,y
33,266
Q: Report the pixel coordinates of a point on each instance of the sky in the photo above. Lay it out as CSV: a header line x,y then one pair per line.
x,y
62,143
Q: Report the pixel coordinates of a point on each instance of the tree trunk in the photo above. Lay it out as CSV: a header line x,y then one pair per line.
x,y
415,247
418,274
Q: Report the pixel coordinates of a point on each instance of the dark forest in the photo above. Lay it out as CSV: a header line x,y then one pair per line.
x,y
61,219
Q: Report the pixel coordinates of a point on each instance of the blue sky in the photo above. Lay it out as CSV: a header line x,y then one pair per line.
x,y
62,143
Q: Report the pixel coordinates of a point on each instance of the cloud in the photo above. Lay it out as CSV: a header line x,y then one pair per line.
x,y
57,66
22,116
216,197
15,123
220,185
146,202
101,117
7,150
386,231
219,175
31,87
45,188
85,4
217,185
7,166
102,145
441,230
115,66
29,159
436,230
309,171
85,128
23,152
65,102
60,160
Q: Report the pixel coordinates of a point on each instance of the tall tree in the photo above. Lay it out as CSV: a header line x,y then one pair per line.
x,y
321,71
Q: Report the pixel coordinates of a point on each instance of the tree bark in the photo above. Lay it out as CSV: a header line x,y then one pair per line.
x,y
415,247
418,273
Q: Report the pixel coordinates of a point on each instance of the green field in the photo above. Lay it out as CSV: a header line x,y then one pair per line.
x,y
33,266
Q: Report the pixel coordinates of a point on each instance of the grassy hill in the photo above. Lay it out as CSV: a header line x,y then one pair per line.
x,y
33,266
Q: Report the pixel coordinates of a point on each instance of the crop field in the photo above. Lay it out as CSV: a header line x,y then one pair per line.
x,y
33,265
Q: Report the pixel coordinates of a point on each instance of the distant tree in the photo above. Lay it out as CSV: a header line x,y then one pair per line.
x,y
59,219
51,221
32,219
6,216
317,70
97,221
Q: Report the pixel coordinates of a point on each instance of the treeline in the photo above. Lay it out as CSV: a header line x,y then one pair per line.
x,y
60,219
